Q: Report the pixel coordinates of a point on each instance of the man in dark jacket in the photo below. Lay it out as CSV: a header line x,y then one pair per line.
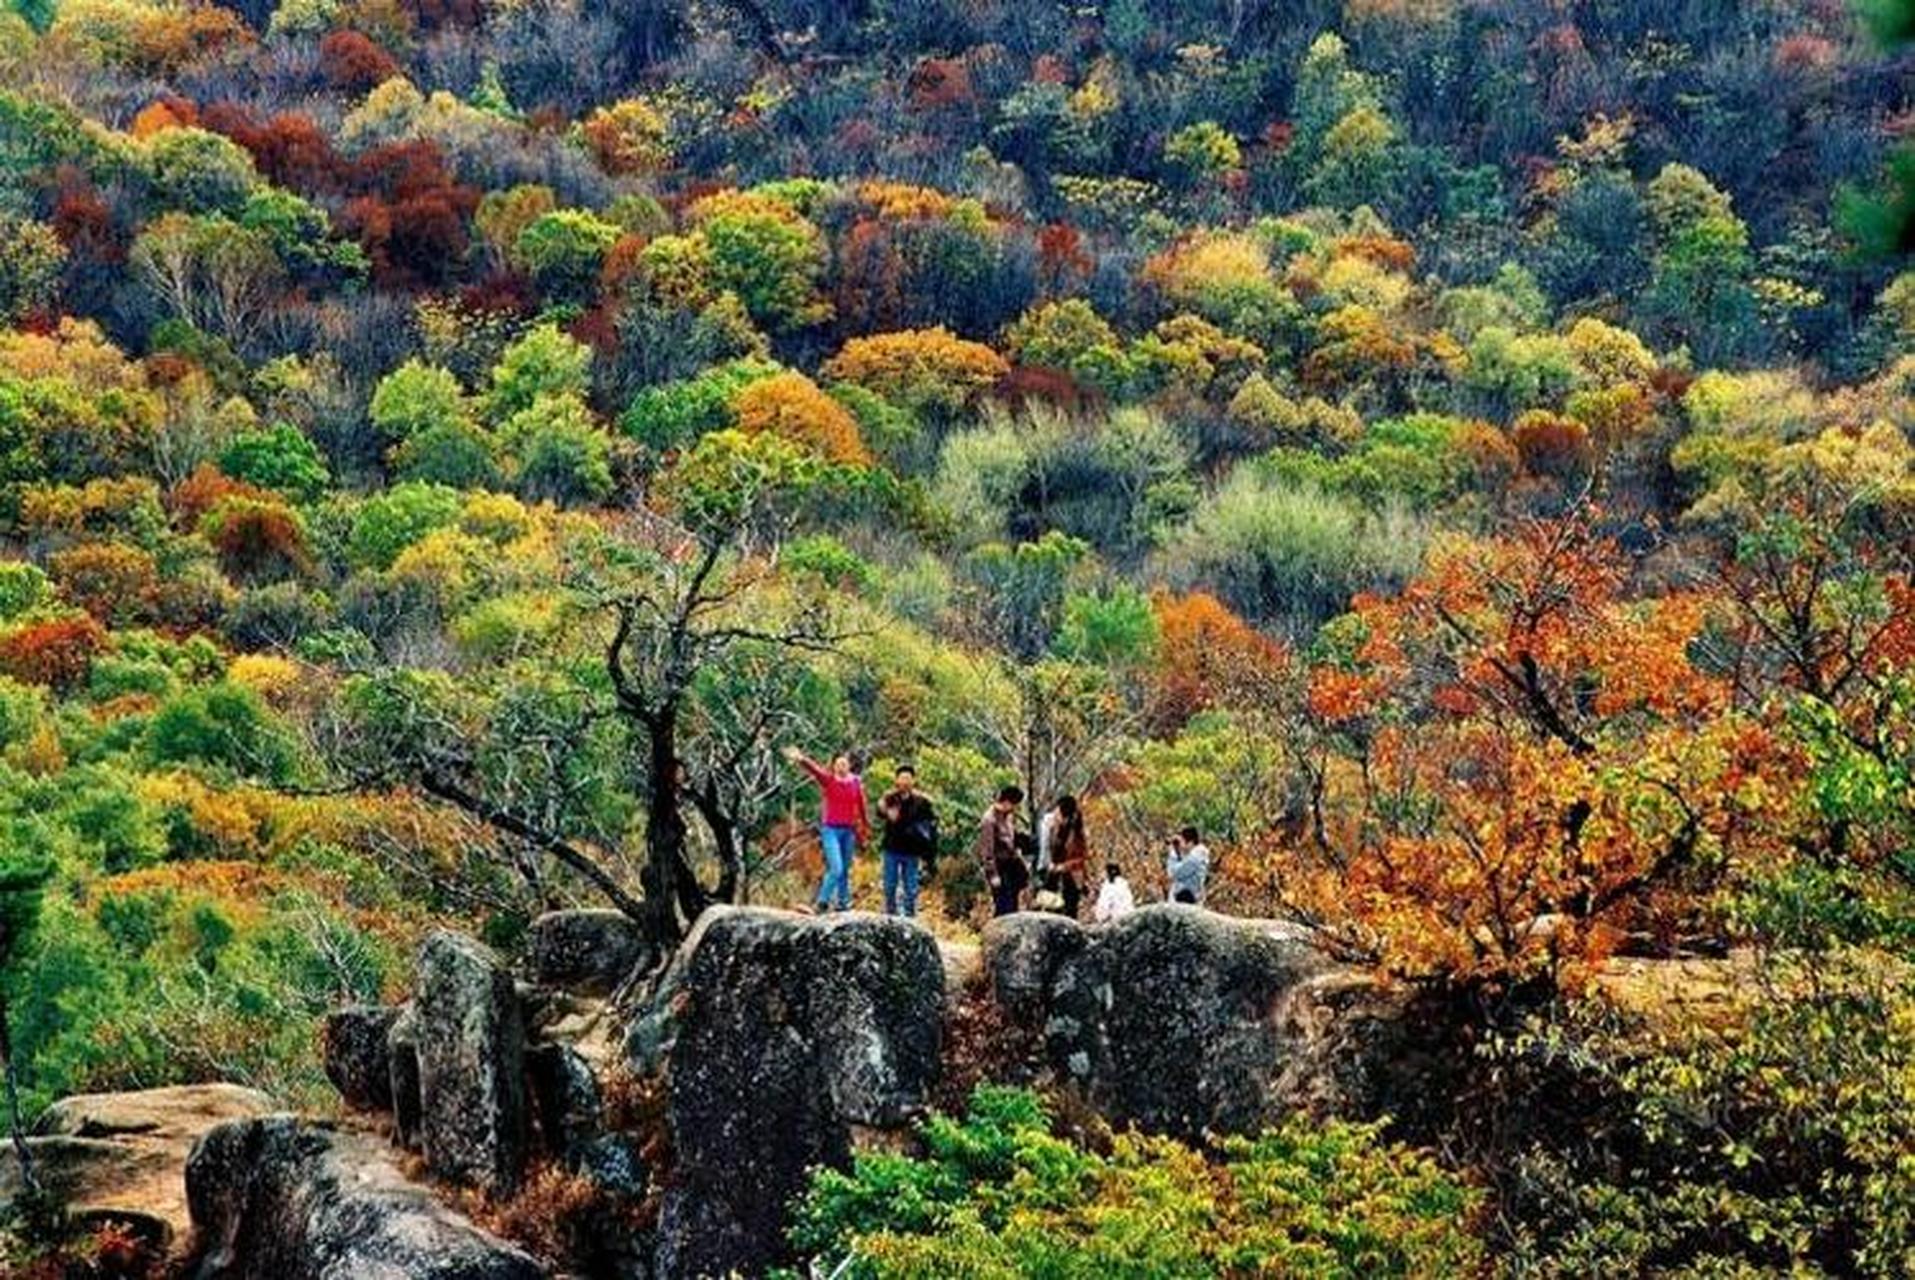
x,y
910,837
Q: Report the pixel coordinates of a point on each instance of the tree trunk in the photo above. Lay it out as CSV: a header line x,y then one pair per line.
x,y
29,1182
664,833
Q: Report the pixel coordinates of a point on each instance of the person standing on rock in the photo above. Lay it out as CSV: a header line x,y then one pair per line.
x,y
1188,867
843,826
1005,870
1114,900
910,836
1069,852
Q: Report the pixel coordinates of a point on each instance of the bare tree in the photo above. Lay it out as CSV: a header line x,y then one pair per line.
x,y
698,691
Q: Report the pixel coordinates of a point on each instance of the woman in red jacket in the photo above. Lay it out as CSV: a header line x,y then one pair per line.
x,y
843,826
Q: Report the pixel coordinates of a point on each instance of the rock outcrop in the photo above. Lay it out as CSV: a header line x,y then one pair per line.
x,y
278,1198
589,952
778,1043
783,1035
1171,1019
402,1068
352,1046
473,1113
122,1156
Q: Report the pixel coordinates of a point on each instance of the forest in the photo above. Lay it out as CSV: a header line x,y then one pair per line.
x,y
1457,454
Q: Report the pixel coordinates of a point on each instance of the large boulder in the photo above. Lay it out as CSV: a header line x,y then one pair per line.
x,y
1171,1019
587,951
473,1113
1021,955
352,1046
782,1035
277,1198
122,1156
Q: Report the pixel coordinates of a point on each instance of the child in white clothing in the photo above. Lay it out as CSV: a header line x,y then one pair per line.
x,y
1114,900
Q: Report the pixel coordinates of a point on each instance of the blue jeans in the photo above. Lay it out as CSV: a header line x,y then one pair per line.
x,y
839,844
900,869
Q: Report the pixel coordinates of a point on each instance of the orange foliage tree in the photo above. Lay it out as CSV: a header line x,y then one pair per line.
x,y
920,369
792,406
1209,657
1517,760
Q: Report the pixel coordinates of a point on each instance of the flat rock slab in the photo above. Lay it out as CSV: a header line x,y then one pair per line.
x,y
122,1156
279,1198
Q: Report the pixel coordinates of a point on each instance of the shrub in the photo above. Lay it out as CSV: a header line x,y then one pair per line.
x,y
675,414
999,1194
275,616
257,538
1202,151
564,249
792,406
109,580
417,397
388,523
23,588
564,455
456,454
279,458
545,362
225,726
1071,336
57,653
762,250
628,137
1554,446
823,557
199,172
1274,552
919,369
352,61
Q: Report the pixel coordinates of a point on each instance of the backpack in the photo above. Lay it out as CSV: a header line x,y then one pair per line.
x,y
921,836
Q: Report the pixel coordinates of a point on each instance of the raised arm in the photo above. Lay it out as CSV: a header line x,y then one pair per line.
x,y
817,771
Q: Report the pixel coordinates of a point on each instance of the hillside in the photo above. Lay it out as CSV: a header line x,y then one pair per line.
x,y
1454,459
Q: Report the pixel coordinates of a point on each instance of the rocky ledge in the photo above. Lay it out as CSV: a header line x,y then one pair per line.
x,y
279,1198
771,1043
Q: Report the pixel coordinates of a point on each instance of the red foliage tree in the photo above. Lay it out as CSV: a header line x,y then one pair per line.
x,y
1061,260
205,489
84,221
1208,657
937,83
59,653
257,538
412,218
289,149
351,60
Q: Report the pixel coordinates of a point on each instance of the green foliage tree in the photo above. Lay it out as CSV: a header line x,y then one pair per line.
x,y
416,398
999,1194
194,171
768,256
564,249
387,523
31,256
545,362
23,880
281,458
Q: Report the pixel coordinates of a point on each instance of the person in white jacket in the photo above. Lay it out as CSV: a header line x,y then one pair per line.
x,y
1114,900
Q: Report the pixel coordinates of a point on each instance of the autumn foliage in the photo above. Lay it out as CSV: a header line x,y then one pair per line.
x,y
792,406
57,653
